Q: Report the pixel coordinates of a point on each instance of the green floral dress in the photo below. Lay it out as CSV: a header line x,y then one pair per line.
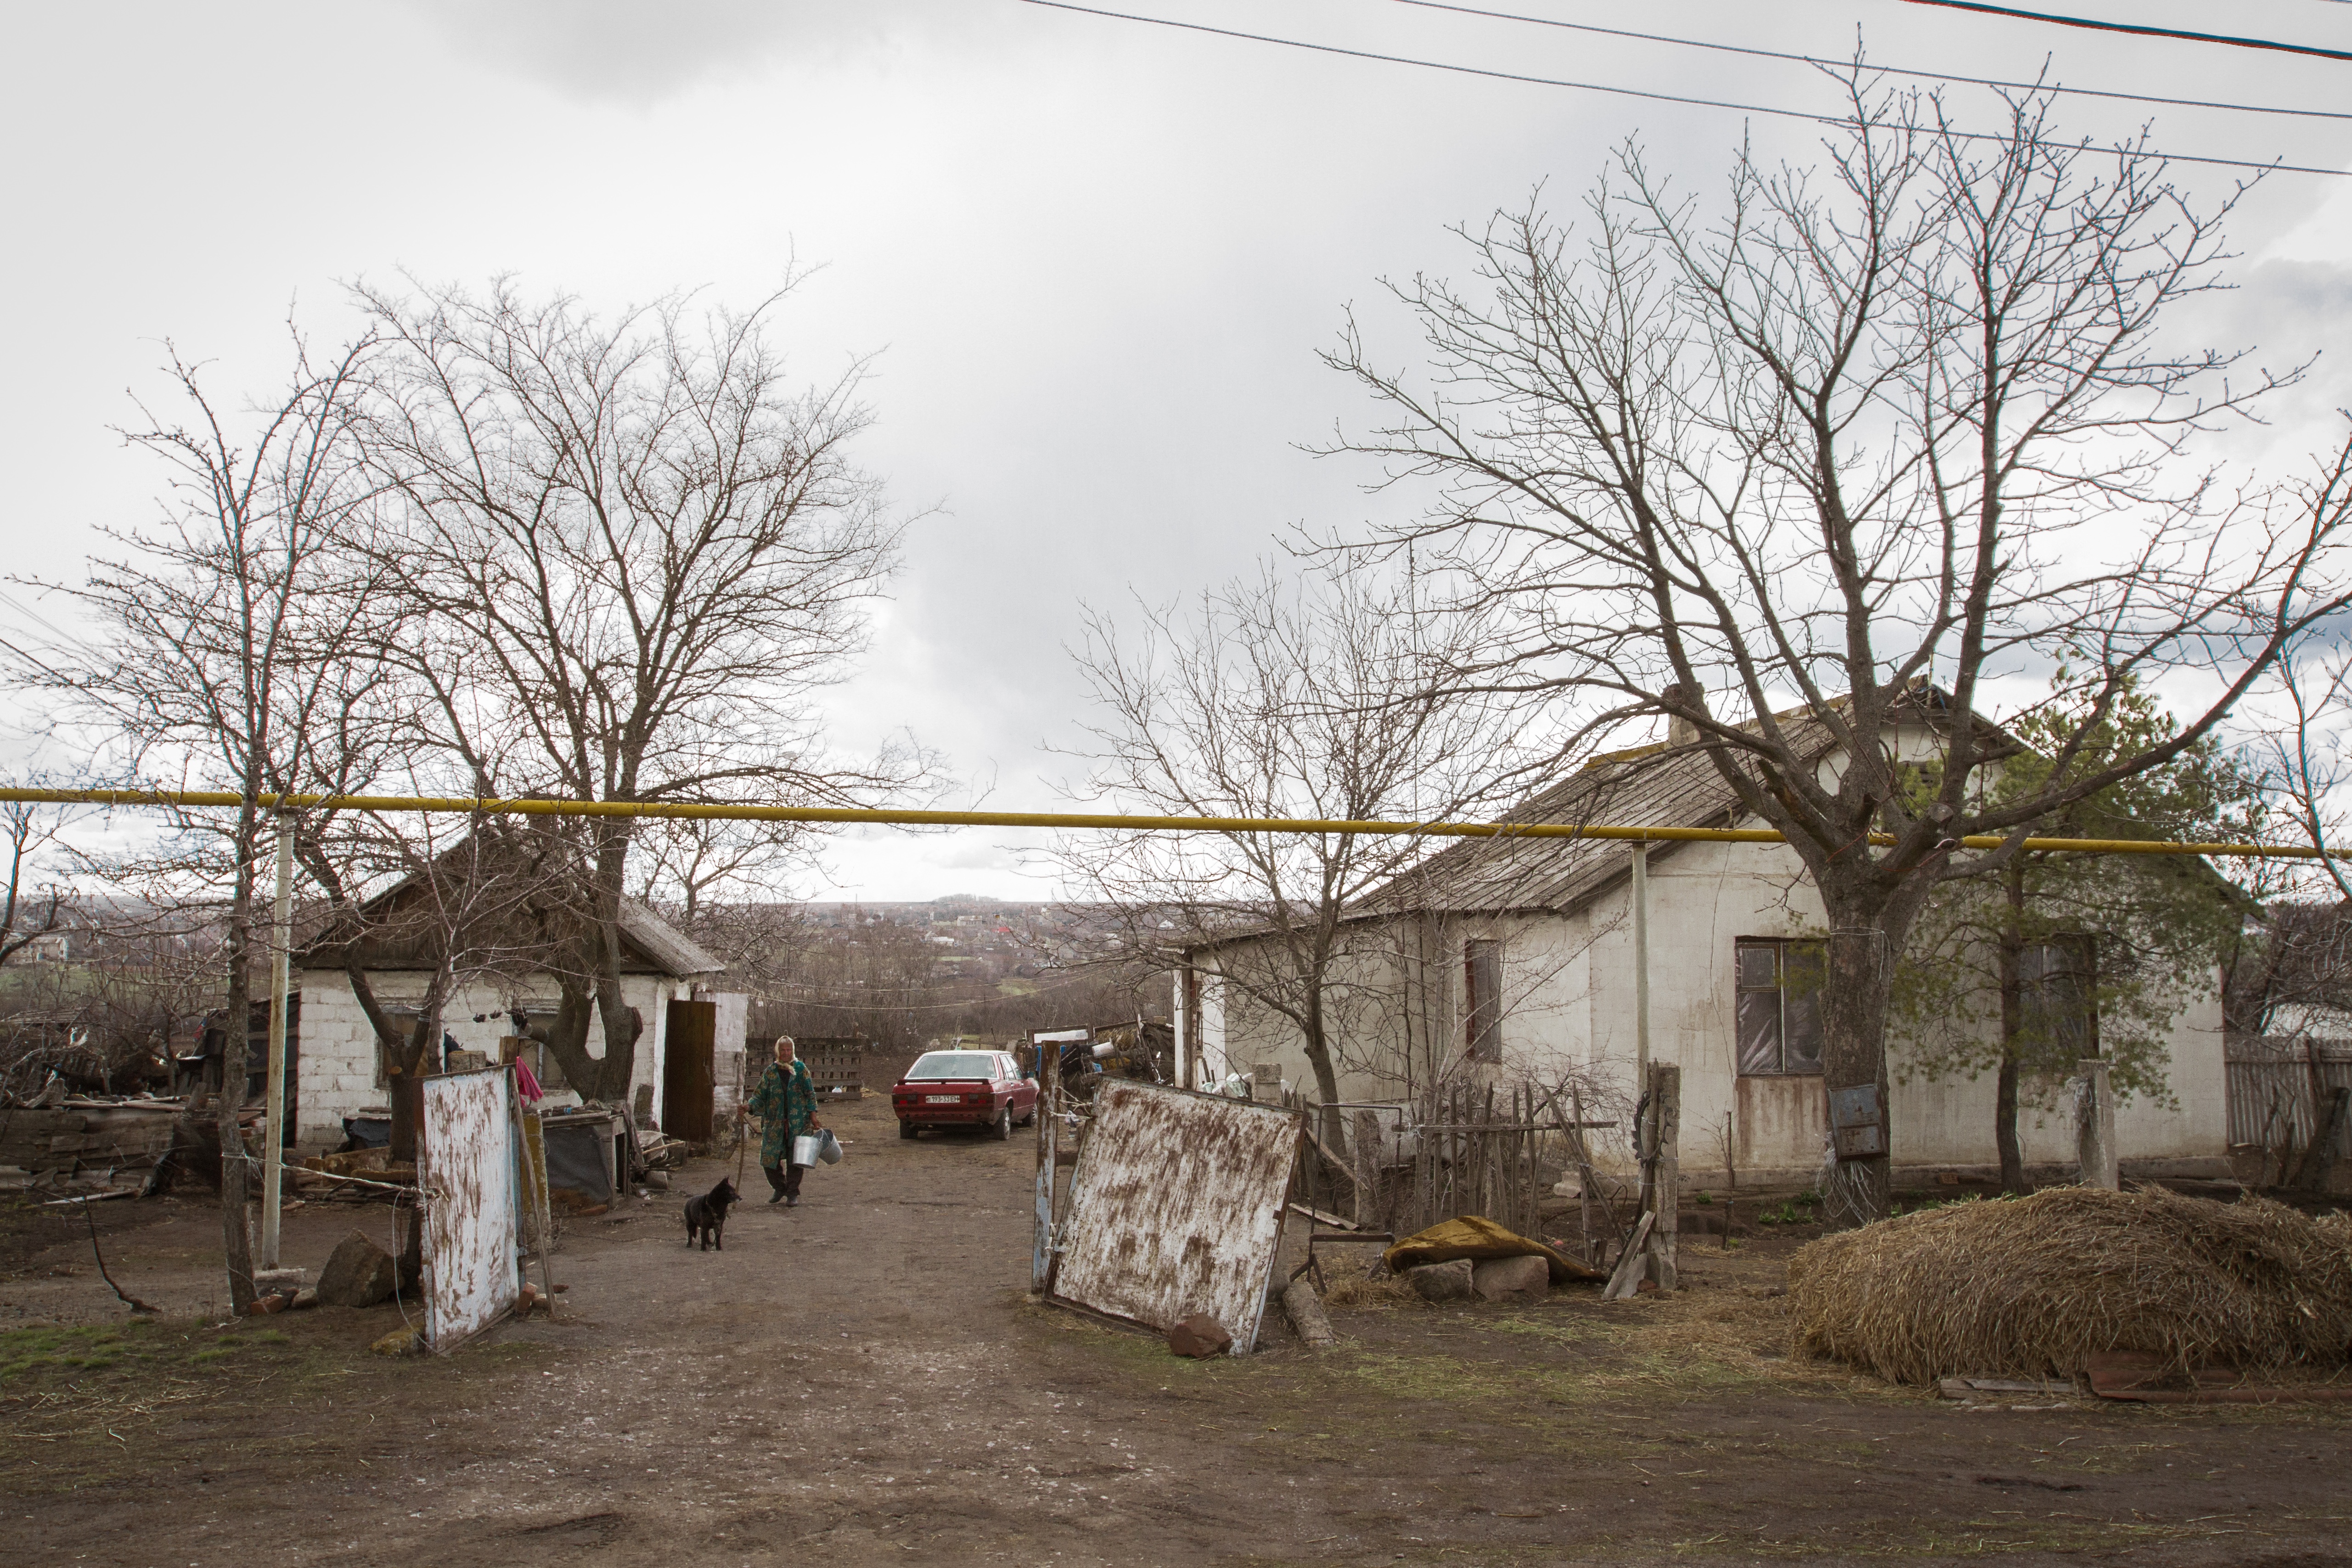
x,y
785,1104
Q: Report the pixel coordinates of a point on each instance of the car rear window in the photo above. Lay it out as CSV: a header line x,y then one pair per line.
x,y
953,1064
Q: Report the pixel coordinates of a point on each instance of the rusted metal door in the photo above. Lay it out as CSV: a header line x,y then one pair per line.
x,y
690,1078
466,1169
1176,1207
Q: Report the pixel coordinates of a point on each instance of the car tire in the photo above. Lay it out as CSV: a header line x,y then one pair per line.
x,y
906,1129
1003,1126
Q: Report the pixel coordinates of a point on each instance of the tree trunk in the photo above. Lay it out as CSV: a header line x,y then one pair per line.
x,y
567,1038
623,1023
407,1113
1327,1077
236,1235
1853,1055
2012,1029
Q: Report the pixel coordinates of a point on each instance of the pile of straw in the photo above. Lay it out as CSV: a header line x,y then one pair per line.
x,y
2031,1288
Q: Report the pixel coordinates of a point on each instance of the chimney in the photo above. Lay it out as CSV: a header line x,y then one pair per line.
x,y
1680,731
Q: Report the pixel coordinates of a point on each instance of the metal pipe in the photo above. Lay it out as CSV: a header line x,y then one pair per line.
x,y
460,805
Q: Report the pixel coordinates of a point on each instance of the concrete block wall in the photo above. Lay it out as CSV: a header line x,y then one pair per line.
x,y
338,1052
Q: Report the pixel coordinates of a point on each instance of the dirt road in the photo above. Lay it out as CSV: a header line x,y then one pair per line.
x,y
862,1380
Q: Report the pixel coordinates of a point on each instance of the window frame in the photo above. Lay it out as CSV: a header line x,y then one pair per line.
x,y
2041,983
1482,1015
1779,948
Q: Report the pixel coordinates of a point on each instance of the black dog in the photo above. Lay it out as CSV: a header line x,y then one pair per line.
x,y
706,1216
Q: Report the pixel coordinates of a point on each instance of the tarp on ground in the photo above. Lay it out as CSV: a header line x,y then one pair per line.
x,y
1481,1240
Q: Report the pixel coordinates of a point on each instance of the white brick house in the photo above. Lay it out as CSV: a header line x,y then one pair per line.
x,y
340,1066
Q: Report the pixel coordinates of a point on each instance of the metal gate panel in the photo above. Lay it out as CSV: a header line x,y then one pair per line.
x,y
466,1168
1176,1207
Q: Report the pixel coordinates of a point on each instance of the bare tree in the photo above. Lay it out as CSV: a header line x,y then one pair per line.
x,y
2295,957
1322,699
38,897
215,653
1813,468
635,553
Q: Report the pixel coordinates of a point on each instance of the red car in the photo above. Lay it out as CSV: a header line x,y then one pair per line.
x,y
963,1089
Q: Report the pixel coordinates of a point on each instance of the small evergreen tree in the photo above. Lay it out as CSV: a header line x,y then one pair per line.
x,y
2053,958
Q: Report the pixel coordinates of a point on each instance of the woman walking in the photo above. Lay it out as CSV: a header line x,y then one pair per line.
x,y
785,1104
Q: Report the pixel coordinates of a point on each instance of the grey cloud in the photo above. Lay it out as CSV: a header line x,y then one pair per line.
x,y
616,50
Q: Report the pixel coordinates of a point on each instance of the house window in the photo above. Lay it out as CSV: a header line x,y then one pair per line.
x,y
1779,1011
1482,967
2057,992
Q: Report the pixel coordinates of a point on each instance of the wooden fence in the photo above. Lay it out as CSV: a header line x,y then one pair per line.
x,y
1477,1154
2277,1086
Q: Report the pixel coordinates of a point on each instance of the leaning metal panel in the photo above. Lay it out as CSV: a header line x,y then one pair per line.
x,y
1176,1207
466,1167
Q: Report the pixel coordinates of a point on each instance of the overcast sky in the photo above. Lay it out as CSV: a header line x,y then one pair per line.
x,y
1095,257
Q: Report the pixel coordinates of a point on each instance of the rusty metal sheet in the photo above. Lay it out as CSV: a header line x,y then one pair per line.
x,y
1176,1207
466,1168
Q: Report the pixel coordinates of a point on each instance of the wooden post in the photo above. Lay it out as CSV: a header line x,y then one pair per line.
x,y
1367,1172
1641,964
1626,1278
273,1120
1665,1165
2327,1130
1049,1072
1049,1077
1583,1172
531,1155
2096,1133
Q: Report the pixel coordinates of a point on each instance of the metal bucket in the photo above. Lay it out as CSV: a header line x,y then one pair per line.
x,y
828,1148
805,1148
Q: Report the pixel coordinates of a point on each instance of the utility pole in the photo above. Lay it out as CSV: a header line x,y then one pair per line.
x,y
273,1123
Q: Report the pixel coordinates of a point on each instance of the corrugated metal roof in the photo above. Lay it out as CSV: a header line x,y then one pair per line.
x,y
665,944
1651,786
647,939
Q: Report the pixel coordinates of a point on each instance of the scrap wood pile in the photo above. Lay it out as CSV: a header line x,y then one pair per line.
x,y
85,1146
2037,1286
657,1153
354,1175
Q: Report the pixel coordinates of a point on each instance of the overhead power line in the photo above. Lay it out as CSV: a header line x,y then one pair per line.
x,y
2135,27
1812,116
1827,64
1115,822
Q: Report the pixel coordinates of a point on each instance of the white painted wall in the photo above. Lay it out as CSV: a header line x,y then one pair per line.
x,y
1568,983
734,1022
338,1060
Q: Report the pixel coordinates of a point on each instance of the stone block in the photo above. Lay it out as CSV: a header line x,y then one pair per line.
x,y
1443,1282
359,1274
1512,1280
1199,1336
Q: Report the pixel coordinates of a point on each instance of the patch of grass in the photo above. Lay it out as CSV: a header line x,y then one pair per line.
x,y
26,1352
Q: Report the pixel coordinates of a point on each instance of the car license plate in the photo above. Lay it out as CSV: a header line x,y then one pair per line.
x,y
942,1099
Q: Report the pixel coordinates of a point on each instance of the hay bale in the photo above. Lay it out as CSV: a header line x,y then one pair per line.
x,y
2031,1288
1387,1290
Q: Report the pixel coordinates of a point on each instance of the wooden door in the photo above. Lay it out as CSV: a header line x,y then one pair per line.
x,y
690,1081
